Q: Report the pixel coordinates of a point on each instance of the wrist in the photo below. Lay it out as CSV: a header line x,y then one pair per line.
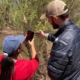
x,y
32,46
46,35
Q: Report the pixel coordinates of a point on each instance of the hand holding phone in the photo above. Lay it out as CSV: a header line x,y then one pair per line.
x,y
30,35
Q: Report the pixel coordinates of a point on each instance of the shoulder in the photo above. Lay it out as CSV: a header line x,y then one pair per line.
x,y
65,40
25,68
27,63
70,34
27,60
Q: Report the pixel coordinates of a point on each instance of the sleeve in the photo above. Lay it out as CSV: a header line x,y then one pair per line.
x,y
58,59
34,63
25,69
51,37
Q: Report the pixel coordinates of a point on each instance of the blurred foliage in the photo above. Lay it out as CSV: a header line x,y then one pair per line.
x,y
21,15
74,10
25,14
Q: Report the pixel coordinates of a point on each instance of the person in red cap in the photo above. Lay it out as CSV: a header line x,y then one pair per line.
x,y
10,67
64,61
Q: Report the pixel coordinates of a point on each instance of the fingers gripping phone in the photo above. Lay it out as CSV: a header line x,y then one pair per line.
x,y
30,35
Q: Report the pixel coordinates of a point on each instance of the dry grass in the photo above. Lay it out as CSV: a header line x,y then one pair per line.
x,y
1,40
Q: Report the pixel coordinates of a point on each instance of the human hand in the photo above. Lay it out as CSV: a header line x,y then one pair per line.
x,y
31,43
24,39
41,34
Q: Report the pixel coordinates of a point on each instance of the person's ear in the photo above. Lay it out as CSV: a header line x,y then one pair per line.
x,y
19,50
55,18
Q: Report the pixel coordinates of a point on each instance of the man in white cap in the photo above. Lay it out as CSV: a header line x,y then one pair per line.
x,y
64,61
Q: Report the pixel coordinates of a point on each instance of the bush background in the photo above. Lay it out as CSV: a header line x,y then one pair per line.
x,y
17,16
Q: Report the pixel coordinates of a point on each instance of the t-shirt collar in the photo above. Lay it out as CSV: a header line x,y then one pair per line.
x,y
6,54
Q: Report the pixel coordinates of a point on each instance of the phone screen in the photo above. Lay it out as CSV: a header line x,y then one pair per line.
x,y
30,35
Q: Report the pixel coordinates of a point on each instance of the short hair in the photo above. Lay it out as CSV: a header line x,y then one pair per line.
x,y
65,15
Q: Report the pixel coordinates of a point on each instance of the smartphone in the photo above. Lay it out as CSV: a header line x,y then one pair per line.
x,y
30,35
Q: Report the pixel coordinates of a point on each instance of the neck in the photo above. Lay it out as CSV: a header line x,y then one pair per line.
x,y
61,21
15,57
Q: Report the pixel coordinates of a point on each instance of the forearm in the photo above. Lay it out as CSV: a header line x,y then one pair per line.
x,y
50,37
33,52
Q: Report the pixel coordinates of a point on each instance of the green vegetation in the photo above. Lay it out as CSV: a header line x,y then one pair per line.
x,y
1,39
24,15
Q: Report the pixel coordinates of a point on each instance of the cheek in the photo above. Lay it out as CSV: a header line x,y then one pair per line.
x,y
55,26
19,51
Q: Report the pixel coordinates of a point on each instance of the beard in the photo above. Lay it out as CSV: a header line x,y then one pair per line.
x,y
55,26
